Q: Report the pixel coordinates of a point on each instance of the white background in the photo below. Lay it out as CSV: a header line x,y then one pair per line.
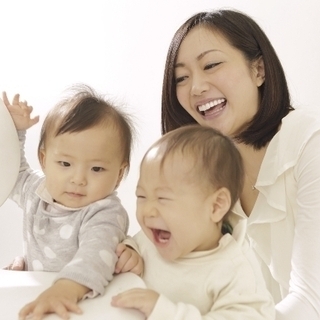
x,y
119,48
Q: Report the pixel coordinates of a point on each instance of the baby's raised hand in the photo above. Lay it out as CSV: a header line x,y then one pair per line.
x,y
20,112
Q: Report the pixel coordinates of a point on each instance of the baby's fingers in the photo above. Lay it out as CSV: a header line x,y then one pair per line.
x,y
27,110
26,310
120,248
33,121
24,106
5,99
38,310
16,99
16,107
126,299
65,306
124,263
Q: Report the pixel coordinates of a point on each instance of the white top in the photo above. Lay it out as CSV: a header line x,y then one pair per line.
x,y
284,225
223,283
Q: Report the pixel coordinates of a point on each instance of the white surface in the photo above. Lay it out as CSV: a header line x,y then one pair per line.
x,y
9,153
20,287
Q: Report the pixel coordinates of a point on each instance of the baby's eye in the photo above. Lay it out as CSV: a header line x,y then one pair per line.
x,y
64,163
162,199
97,169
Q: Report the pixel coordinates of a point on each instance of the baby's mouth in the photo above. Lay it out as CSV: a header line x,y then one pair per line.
x,y
212,106
75,195
161,236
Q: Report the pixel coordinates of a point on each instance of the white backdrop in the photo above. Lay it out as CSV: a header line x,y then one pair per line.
x,y
119,47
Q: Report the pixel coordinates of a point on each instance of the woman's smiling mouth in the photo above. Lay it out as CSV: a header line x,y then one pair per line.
x,y
212,107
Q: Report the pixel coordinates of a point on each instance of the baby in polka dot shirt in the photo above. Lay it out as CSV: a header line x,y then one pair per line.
x,y
73,219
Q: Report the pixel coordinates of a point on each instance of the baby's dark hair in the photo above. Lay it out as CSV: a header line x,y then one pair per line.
x,y
216,159
82,109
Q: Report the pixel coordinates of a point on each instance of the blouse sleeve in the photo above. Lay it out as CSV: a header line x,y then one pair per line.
x,y
303,300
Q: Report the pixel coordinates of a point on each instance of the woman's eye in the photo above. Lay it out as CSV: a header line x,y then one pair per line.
x,y
211,65
64,164
97,169
180,79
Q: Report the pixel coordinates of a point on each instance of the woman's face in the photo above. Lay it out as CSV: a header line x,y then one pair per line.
x,y
215,83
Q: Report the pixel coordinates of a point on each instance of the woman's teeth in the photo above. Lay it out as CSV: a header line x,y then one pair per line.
x,y
210,105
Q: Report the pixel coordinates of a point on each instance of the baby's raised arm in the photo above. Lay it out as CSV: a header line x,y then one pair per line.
x,y
20,112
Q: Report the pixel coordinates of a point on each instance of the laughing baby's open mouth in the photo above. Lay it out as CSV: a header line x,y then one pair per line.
x,y
161,236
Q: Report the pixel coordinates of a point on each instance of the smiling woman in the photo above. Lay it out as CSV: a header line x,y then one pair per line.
x,y
214,62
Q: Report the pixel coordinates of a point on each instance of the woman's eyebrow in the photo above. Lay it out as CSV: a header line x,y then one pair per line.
x,y
201,55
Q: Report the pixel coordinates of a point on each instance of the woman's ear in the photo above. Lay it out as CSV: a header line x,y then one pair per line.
x,y
221,204
259,71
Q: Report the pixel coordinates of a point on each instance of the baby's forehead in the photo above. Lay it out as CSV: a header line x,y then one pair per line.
x,y
172,156
172,164
173,175
108,135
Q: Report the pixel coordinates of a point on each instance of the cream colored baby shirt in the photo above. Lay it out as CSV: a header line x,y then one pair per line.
x,y
224,283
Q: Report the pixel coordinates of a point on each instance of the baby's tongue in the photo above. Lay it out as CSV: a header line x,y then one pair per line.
x,y
163,236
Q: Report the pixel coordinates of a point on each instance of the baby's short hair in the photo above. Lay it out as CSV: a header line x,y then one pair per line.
x,y
217,161
83,108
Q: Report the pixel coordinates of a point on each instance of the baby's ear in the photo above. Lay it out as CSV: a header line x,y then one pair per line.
x,y
221,204
42,158
121,174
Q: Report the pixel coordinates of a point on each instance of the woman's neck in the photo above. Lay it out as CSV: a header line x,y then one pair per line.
x,y
252,160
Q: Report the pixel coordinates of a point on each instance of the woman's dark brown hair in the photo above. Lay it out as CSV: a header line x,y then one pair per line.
x,y
243,33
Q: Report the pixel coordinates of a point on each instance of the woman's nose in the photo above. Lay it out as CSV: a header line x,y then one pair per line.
x,y
199,85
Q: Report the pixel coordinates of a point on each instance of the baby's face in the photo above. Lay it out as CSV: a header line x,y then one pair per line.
x,y
83,167
174,209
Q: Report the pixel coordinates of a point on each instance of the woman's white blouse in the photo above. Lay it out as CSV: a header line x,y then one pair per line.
x,y
284,226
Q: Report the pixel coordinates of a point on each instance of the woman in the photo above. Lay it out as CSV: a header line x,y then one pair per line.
x,y
222,72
